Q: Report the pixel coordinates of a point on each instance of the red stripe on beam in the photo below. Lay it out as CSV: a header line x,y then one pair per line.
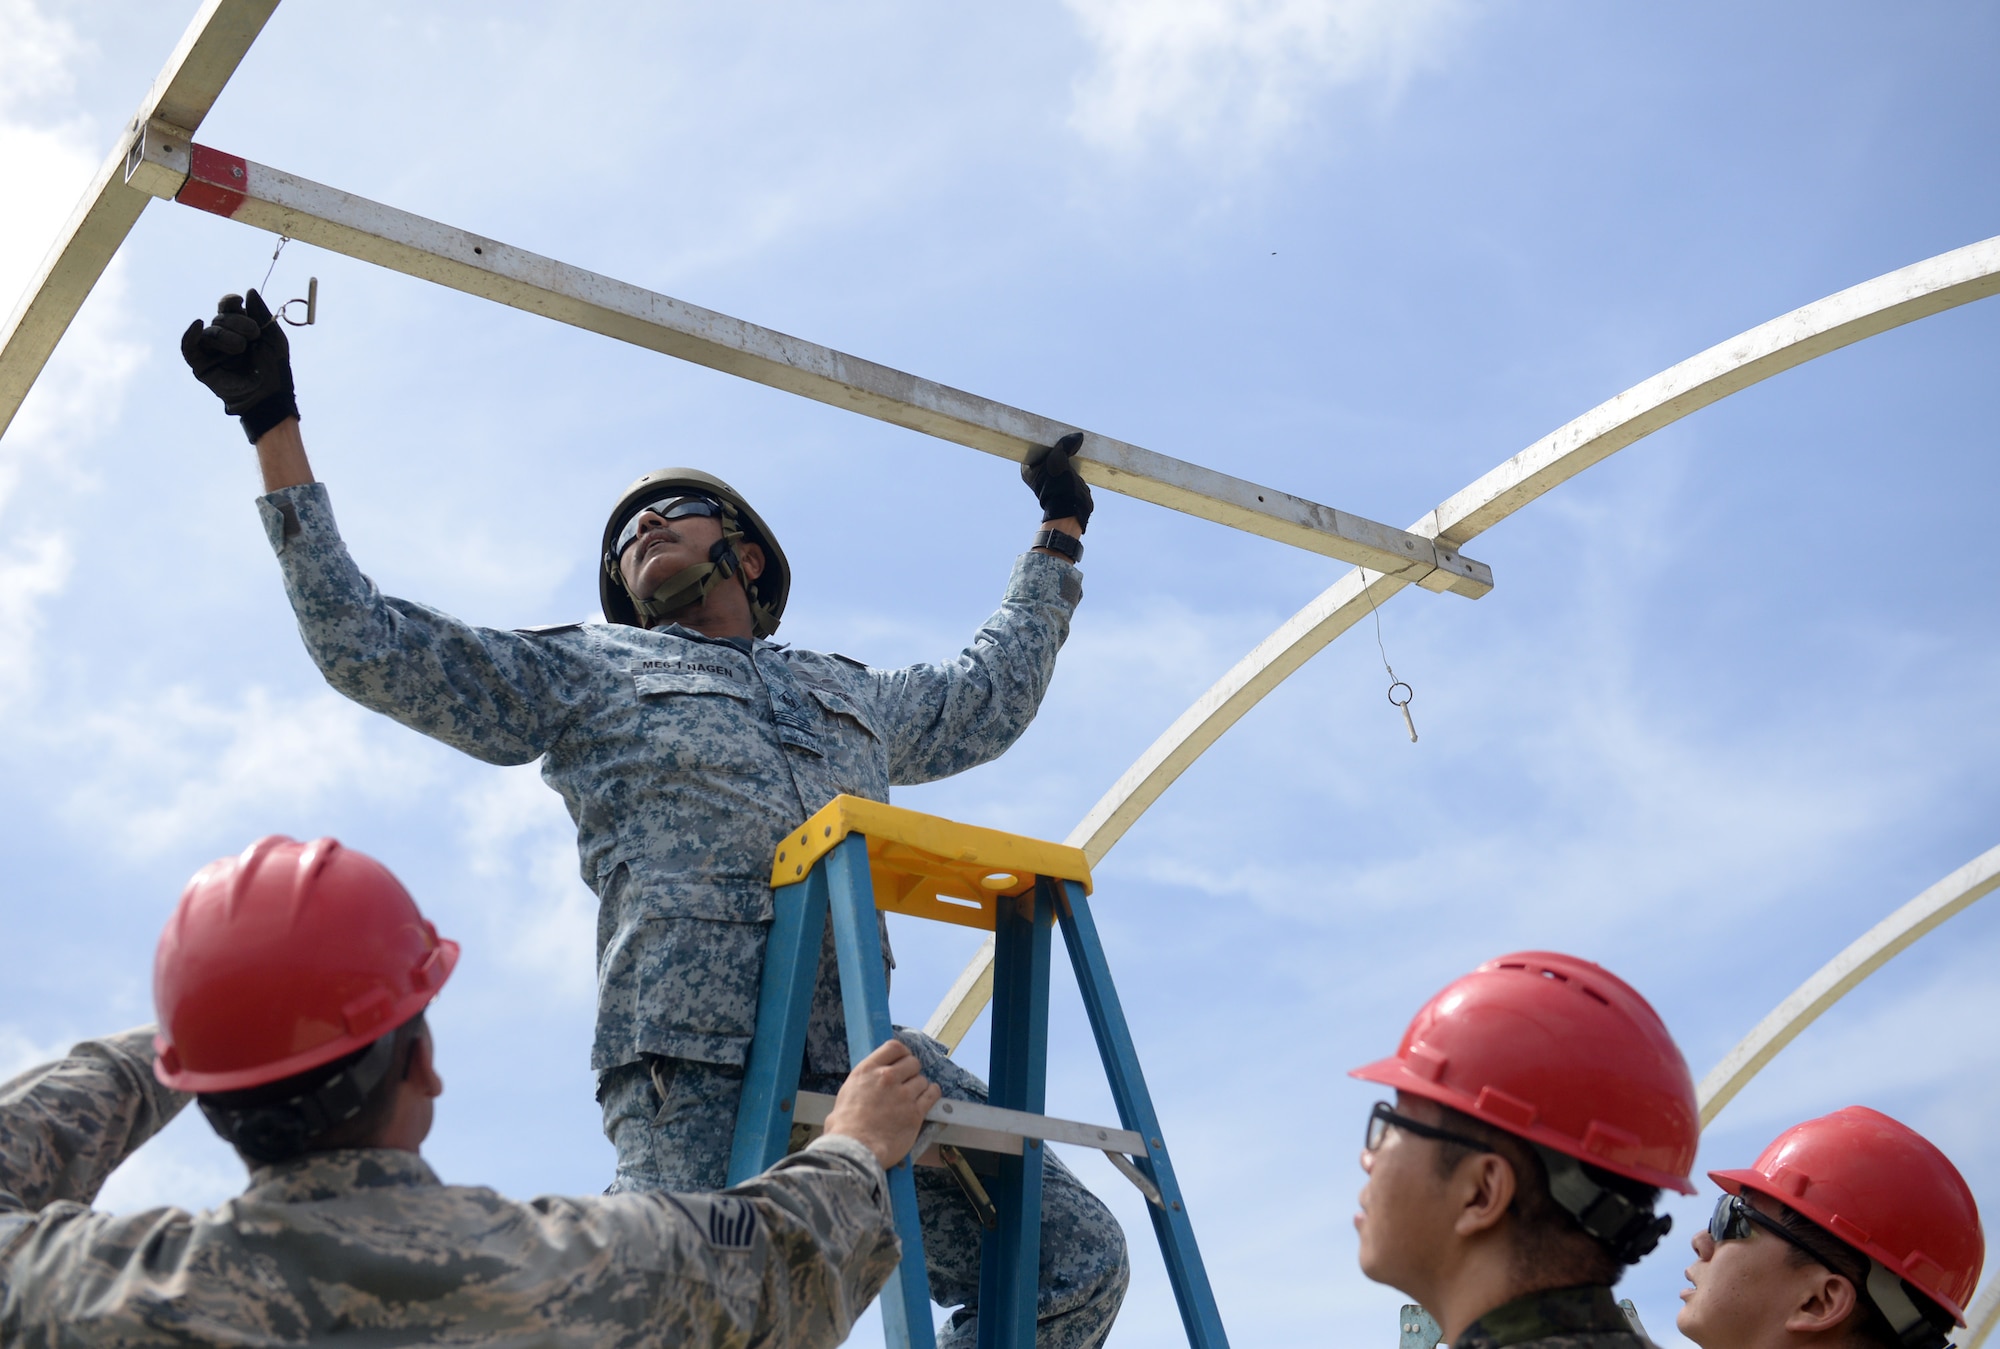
x,y
215,181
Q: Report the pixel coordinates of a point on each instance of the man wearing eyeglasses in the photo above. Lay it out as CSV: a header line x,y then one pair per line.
x,y
1540,1108
1850,1230
686,744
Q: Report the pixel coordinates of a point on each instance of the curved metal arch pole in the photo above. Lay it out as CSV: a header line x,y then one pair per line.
x,y
1842,975
1845,317
1983,1315
1835,980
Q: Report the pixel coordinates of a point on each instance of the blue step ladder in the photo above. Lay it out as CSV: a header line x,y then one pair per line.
x,y
856,856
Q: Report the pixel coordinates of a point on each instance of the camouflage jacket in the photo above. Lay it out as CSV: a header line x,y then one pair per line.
x,y
1559,1318
367,1243
683,760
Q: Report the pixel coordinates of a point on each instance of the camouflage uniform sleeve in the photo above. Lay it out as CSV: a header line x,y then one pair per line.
x,y
946,717
788,1259
833,1241
65,1126
499,696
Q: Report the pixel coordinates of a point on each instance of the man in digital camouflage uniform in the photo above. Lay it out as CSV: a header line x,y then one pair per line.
x,y
1540,1107
291,984
685,745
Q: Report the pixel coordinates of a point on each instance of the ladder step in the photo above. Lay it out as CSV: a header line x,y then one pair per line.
x,y
988,1128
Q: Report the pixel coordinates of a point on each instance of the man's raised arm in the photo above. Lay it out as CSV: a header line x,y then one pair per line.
x,y
498,696
65,1126
945,717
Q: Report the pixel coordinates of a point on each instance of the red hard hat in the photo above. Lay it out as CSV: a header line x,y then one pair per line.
x,y
1560,1052
1882,1188
284,958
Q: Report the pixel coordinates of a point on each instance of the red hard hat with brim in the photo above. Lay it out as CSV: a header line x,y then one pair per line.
x,y
1560,1052
1884,1189
286,957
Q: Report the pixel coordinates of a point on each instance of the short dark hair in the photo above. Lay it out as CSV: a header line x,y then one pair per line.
x,y
1551,1249
1867,1323
281,1120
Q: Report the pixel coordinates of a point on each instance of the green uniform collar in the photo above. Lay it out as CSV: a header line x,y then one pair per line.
x,y
319,1176
1553,1312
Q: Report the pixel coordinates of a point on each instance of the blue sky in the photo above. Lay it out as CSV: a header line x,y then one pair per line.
x,y
1732,700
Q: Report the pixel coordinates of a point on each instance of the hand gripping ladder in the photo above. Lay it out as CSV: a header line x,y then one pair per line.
x,y
856,856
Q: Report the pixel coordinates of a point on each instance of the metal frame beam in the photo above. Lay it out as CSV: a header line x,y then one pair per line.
x,y
208,54
1842,975
1889,301
165,164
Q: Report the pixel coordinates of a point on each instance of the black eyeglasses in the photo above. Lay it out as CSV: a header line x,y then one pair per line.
x,y
667,508
1732,1219
1384,1117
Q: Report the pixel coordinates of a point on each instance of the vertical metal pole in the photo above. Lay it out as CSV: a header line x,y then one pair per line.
x,y
1011,1258
864,989
784,1006
1135,1112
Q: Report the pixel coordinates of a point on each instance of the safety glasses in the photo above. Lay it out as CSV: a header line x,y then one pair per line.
x,y
1384,1117
1732,1219
667,508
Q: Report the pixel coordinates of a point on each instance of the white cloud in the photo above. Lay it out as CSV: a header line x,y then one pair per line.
x,y
41,145
1231,73
180,766
185,1166
18,1052
36,54
31,570
43,141
81,391
1878,1048
518,840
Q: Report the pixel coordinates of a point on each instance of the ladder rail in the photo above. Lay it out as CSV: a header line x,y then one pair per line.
x,y
765,1114
1010,1259
1185,1270
864,988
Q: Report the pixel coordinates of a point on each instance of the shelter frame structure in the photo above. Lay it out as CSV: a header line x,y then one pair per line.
x,y
158,156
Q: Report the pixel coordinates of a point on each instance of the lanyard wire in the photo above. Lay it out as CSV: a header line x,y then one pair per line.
x,y
282,241
1394,682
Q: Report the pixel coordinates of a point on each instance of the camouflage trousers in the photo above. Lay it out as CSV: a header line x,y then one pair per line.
x,y
673,1120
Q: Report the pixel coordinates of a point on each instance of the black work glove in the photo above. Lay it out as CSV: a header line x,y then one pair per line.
x,y
1056,483
245,359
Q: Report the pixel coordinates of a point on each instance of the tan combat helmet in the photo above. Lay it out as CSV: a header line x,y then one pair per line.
x,y
767,593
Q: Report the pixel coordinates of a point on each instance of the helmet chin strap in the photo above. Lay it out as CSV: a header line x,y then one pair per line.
x,y
1619,1225
692,585
1912,1329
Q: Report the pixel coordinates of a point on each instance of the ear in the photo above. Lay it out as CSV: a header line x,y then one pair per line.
x,y
1827,1300
422,1070
1484,1186
752,557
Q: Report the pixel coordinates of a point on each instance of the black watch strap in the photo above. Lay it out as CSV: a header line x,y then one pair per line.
x,y
1056,541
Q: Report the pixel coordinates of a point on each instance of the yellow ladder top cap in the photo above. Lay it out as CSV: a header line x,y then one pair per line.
x,y
964,849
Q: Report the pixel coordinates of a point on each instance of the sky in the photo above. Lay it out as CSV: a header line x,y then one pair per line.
x,y
1731,701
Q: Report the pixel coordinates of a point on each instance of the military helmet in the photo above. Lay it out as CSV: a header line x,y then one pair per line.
x,y
767,593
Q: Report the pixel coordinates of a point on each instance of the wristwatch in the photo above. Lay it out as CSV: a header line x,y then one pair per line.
x,y
1056,541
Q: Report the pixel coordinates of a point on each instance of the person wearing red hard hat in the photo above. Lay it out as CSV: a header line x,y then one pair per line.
x,y
1540,1108
291,985
1851,1229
